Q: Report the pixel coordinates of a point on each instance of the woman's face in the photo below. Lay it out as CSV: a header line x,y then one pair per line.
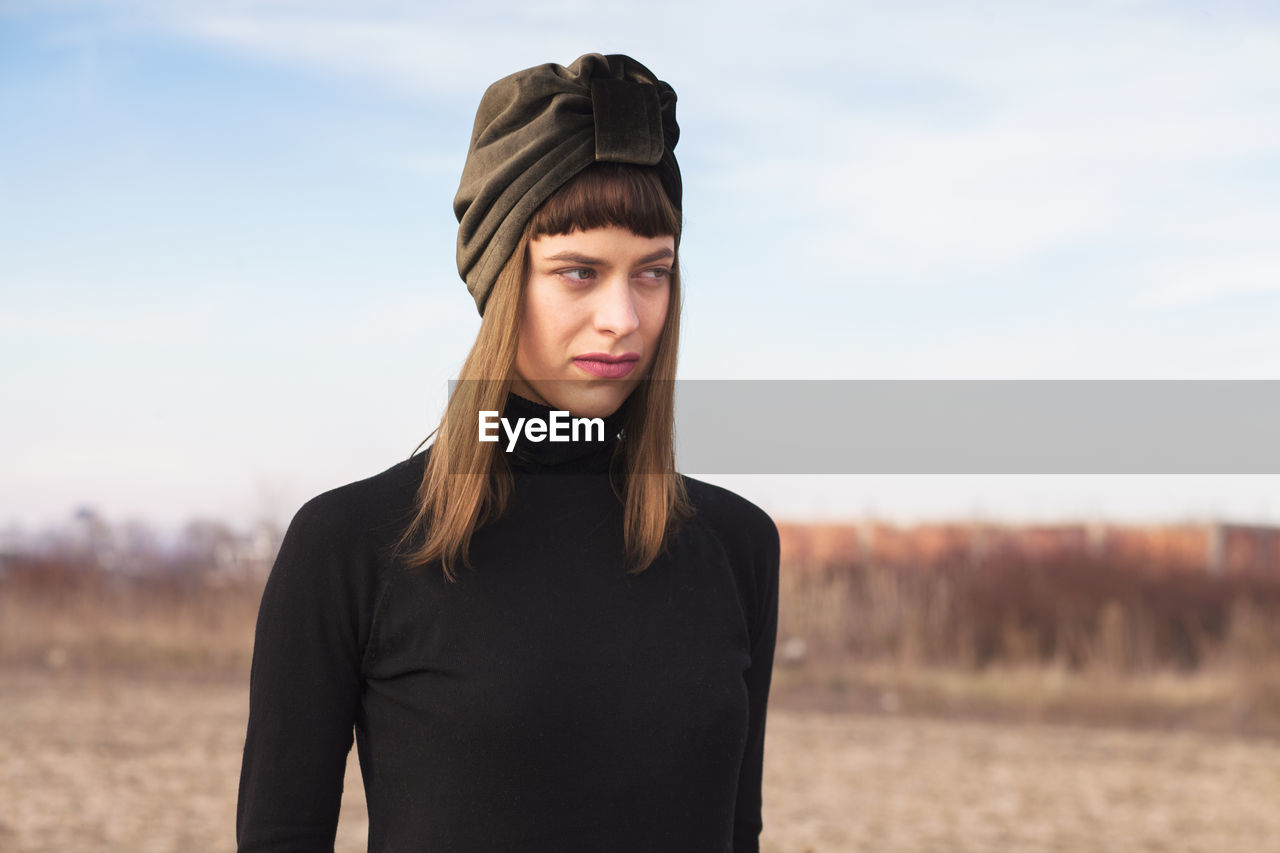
x,y
594,307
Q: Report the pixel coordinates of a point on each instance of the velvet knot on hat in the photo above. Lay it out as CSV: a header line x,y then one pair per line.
x,y
538,128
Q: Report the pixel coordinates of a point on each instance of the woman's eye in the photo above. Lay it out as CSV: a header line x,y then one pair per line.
x,y
581,274
657,274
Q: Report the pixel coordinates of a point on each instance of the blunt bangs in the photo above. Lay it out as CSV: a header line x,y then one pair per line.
x,y
604,194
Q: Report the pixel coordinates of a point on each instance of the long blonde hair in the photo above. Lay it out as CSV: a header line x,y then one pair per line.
x,y
467,483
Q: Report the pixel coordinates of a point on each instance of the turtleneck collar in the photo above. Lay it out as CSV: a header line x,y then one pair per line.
x,y
581,456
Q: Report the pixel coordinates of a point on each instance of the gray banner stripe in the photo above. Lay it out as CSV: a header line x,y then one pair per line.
x,y
978,426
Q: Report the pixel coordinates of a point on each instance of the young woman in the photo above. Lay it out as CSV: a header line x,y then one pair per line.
x,y
540,645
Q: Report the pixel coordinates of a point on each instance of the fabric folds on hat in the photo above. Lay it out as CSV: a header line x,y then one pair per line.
x,y
538,128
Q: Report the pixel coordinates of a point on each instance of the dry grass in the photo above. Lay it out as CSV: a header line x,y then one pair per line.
x,y
1070,610
125,707
1063,638
112,763
86,621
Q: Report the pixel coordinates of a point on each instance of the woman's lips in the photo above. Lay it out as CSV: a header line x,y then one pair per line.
x,y
606,369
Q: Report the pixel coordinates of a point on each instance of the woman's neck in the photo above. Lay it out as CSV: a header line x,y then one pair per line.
x,y
535,437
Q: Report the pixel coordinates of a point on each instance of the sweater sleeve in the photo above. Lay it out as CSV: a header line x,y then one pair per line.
x,y
748,822
304,686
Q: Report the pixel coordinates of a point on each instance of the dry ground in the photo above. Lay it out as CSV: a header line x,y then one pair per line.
x,y
111,763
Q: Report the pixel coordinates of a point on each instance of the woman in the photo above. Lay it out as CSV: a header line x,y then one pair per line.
x,y
540,645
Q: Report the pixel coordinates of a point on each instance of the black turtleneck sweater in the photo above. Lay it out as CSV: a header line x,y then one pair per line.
x,y
544,702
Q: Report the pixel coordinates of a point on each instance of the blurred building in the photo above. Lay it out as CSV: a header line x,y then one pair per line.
x,y
1218,548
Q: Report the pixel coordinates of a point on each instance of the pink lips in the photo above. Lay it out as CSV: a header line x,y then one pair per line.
x,y
607,366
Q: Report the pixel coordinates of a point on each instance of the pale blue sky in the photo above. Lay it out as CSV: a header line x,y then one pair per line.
x,y
226,236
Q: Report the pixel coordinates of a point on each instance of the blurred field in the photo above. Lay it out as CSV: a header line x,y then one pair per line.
x,y
1053,702
119,764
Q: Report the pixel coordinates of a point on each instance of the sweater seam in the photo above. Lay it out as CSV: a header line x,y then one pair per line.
x,y
752,620
380,605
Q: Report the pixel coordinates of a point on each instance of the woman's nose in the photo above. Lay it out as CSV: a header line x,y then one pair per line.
x,y
616,311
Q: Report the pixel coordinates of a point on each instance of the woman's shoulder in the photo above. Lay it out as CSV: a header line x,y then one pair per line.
x,y
731,516
377,505
332,567
750,541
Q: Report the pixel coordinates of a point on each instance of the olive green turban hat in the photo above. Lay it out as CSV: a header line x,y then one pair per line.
x,y
538,128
